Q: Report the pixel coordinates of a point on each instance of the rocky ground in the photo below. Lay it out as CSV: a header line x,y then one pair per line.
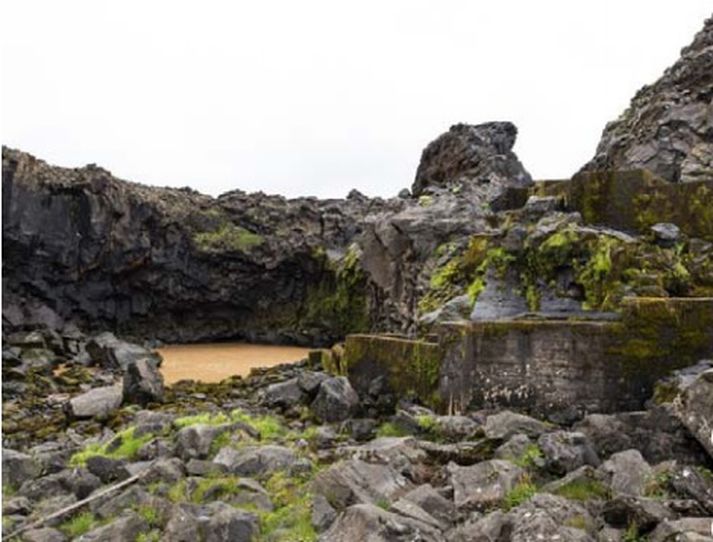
x,y
294,454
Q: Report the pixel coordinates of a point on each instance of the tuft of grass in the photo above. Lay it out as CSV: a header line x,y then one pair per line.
x,y
151,536
178,492
227,237
390,429
291,520
206,418
632,534
583,490
8,491
426,422
529,456
269,427
384,504
225,486
78,525
150,515
578,522
125,445
523,491
657,486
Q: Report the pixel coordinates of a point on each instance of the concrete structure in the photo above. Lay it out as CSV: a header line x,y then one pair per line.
x,y
557,368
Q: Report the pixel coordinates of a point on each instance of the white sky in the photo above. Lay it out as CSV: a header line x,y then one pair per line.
x,y
317,97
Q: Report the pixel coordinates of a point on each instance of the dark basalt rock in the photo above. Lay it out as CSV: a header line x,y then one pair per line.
x,y
83,246
667,127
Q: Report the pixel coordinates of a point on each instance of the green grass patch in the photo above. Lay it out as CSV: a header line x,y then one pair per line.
x,y
291,520
583,490
227,237
529,457
426,422
151,536
125,445
206,418
267,426
218,488
178,492
79,525
150,515
390,429
523,491
578,522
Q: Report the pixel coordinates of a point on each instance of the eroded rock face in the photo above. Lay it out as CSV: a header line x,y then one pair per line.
x,y
83,246
668,127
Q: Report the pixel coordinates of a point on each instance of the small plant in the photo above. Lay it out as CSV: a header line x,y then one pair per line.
x,y
150,515
657,486
291,519
390,429
384,504
216,487
583,490
426,422
523,491
529,456
578,522
632,534
78,525
178,492
150,536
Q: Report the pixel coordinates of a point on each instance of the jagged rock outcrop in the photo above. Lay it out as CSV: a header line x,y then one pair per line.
x,y
668,128
473,155
465,176
83,246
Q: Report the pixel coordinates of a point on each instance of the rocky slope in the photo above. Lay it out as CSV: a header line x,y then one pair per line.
x,y
668,128
295,454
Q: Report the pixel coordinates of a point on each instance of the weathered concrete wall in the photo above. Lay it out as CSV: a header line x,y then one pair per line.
x,y
411,368
558,368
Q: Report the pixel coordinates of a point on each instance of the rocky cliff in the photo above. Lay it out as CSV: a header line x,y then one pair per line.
x,y
668,128
83,246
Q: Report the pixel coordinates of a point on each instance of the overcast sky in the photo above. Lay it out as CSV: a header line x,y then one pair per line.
x,y
317,97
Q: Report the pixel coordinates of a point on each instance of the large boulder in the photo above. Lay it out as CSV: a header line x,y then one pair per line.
x,y
694,404
666,128
336,400
355,481
195,441
566,451
256,460
229,523
369,522
143,382
505,424
96,403
627,473
483,485
110,352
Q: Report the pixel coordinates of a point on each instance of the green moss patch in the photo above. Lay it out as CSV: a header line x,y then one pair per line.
x,y
125,445
226,238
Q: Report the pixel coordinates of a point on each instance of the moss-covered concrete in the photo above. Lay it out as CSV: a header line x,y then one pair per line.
x,y
561,368
412,368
